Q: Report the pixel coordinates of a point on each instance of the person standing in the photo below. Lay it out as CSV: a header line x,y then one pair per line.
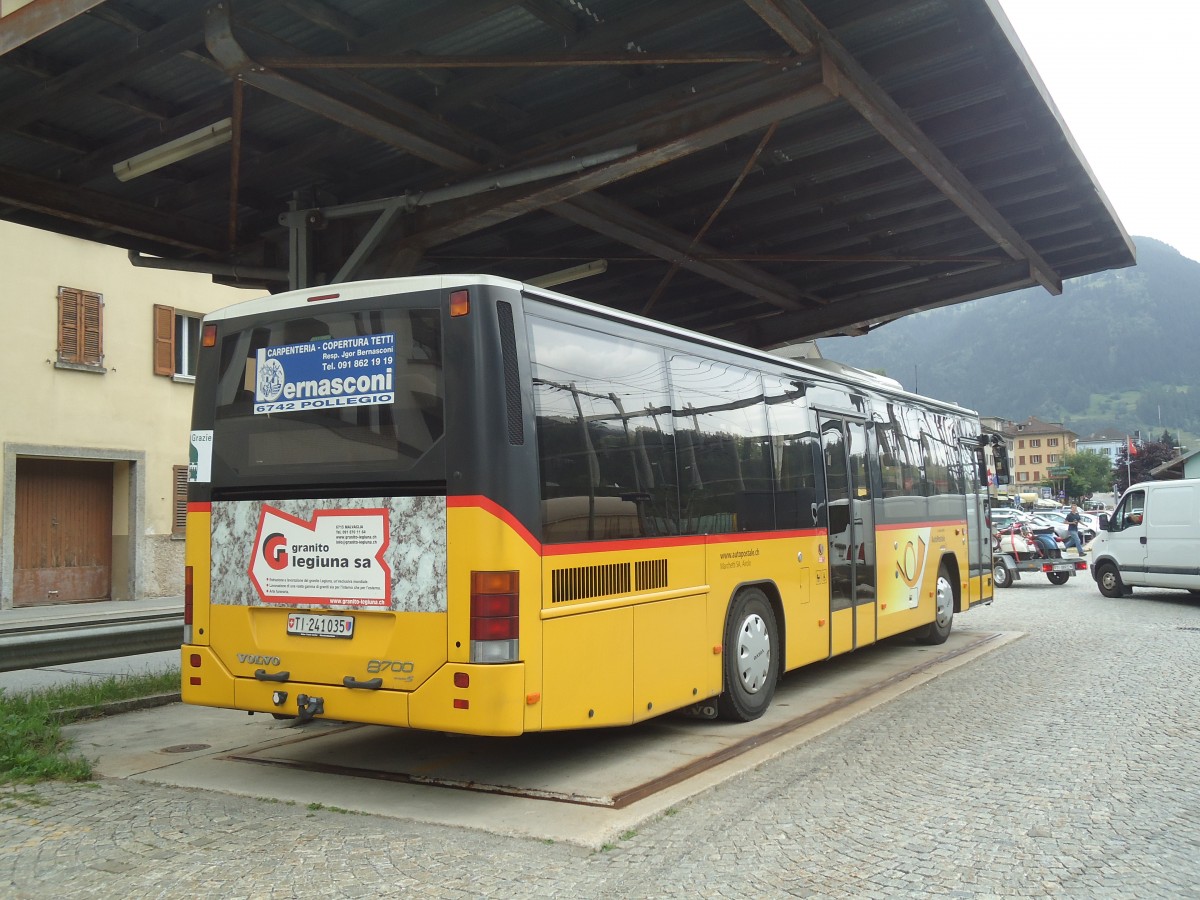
x,y
1074,537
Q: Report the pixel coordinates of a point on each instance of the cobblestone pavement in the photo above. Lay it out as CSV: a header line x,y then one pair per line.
x,y
1064,764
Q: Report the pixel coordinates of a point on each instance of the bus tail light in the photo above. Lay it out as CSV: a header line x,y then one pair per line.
x,y
495,619
187,604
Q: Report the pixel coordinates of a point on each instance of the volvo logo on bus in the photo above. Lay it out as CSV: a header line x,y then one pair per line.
x,y
255,659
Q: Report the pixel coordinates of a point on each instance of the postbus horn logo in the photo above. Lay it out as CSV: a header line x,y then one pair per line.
x,y
912,562
274,548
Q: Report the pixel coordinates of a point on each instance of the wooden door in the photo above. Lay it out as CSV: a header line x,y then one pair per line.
x,y
63,531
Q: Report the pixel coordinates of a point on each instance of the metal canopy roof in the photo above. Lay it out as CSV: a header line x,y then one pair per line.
x,y
762,170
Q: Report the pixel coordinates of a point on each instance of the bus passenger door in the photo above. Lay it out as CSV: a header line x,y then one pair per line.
x,y
851,526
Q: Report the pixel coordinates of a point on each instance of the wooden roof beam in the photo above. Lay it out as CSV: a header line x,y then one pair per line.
x,y
76,204
845,77
455,220
36,18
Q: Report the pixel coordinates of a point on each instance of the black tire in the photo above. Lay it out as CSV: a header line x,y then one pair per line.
x,y
1108,579
1001,577
1058,577
750,661
938,630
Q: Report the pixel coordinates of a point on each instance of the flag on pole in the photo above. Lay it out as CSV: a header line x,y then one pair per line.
x,y
1132,449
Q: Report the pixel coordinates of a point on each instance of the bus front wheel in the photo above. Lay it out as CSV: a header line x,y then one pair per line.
x,y
938,630
750,661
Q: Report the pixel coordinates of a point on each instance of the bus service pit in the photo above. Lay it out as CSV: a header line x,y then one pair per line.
x,y
581,787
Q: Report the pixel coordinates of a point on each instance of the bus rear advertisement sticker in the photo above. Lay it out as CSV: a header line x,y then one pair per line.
x,y
335,559
353,371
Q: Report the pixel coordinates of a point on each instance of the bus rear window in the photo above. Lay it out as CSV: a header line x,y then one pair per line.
x,y
336,394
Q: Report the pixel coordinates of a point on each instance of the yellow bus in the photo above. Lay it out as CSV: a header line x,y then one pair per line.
x,y
465,504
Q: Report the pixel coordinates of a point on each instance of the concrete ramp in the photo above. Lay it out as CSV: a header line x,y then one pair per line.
x,y
583,787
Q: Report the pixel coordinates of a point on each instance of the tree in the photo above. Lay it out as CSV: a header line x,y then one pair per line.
x,y
1090,473
1146,457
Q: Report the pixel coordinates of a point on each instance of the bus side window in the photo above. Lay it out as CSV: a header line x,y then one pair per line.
x,y
799,500
725,471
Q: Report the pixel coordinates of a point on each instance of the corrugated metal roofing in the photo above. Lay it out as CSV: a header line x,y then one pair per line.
x,y
800,168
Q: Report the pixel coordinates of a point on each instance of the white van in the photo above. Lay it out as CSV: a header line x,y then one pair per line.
x,y
1152,539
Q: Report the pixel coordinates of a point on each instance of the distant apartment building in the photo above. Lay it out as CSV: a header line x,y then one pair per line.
x,y
1034,449
97,359
1107,443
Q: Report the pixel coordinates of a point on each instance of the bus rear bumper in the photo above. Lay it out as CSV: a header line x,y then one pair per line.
x,y
460,698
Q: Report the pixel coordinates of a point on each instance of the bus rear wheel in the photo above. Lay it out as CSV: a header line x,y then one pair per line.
x,y
750,661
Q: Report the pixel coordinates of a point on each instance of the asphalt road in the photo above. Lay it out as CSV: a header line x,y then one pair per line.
x,y
1063,764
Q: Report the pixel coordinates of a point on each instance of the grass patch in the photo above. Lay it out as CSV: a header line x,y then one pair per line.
x,y
32,747
333,809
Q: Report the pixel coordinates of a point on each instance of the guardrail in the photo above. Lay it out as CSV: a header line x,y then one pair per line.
x,y
35,646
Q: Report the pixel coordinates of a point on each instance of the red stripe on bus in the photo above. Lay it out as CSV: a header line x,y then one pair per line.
x,y
199,507
479,501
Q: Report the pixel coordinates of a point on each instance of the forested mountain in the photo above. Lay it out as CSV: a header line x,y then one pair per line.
x,y
1114,350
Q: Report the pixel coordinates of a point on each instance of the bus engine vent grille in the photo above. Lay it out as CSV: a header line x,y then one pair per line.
x,y
590,581
650,574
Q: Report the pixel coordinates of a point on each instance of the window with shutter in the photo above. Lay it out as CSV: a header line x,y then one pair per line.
x,y
176,342
80,328
164,340
179,475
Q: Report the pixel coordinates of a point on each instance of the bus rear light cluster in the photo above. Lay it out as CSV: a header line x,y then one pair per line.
x,y
495,620
187,604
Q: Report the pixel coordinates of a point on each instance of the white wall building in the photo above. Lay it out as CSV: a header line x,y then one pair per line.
x,y
96,357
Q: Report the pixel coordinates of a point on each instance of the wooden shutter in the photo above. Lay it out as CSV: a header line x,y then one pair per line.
x,y
164,340
179,478
80,327
92,349
68,325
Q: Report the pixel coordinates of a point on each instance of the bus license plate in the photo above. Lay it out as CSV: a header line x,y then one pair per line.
x,y
320,626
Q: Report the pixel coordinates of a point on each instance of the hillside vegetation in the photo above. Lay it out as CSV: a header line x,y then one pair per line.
x,y
1114,350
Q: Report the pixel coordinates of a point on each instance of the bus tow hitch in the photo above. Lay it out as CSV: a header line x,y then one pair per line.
x,y
307,707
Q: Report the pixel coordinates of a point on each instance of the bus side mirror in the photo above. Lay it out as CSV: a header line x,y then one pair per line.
x,y
1000,461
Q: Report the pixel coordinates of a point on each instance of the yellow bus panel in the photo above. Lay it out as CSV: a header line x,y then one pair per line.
x,y
673,665
587,662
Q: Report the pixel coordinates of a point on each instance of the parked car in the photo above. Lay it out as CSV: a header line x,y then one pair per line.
x,y
1005,515
1094,523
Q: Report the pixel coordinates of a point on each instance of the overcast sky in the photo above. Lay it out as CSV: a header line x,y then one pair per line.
x,y
1124,77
